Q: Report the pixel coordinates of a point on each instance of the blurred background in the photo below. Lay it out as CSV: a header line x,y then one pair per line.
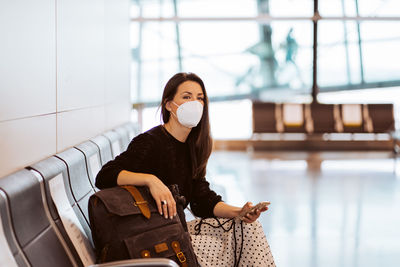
x,y
329,207
263,50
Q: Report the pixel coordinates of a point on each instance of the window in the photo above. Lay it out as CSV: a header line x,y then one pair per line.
x,y
263,49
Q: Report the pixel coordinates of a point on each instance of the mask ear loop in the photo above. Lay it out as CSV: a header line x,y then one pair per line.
x,y
174,115
173,112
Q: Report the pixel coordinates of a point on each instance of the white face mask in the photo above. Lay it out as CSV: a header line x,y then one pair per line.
x,y
189,113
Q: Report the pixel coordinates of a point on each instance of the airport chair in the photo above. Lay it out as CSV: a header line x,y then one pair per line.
x,y
116,143
133,129
80,187
293,118
323,119
92,160
396,150
154,262
55,179
54,171
124,137
382,117
104,146
10,251
39,242
264,117
352,118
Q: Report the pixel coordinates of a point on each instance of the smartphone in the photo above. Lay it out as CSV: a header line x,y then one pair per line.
x,y
259,206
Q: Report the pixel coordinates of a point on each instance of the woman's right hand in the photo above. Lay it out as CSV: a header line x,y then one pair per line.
x,y
160,193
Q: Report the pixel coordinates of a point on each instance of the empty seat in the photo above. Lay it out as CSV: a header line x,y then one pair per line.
x,y
323,119
382,117
10,251
80,187
92,160
293,118
133,129
264,117
115,140
352,118
35,234
54,170
124,137
104,146
51,170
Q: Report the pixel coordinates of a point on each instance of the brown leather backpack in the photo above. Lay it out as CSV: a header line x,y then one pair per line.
x,y
126,224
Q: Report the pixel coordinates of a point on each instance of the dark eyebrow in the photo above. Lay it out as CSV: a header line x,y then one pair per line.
x,y
187,92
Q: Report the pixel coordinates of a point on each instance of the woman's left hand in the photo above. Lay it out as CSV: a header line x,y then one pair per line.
x,y
252,216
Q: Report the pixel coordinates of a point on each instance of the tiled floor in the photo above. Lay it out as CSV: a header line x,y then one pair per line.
x,y
327,209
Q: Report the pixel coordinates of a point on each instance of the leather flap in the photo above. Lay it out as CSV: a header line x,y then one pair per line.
x,y
120,202
151,239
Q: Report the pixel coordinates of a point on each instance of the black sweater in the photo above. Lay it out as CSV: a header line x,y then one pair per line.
x,y
157,152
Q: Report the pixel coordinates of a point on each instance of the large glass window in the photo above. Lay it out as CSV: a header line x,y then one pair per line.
x,y
338,54
337,8
358,53
365,8
379,8
380,50
263,49
222,8
155,59
234,58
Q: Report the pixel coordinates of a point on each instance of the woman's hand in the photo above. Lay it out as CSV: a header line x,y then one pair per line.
x,y
161,193
251,216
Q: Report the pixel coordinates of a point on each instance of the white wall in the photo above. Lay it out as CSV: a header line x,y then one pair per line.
x,y
64,75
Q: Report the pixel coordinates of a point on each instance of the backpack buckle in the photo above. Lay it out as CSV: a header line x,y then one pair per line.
x,y
181,257
136,203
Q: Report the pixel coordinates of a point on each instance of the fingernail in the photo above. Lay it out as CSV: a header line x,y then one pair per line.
x,y
170,217
166,216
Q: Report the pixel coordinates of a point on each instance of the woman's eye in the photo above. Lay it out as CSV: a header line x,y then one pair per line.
x,y
186,97
200,98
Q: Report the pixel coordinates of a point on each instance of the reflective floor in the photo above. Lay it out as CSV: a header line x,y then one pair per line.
x,y
327,209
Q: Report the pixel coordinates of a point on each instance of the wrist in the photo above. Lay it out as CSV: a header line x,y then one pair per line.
x,y
149,180
236,211
226,211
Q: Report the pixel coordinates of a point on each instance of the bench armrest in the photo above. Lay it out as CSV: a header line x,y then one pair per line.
x,y
155,262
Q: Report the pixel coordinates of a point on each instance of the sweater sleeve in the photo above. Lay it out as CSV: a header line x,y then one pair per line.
x,y
203,199
139,157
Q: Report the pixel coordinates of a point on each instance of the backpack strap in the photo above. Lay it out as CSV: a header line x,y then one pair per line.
x,y
177,249
139,200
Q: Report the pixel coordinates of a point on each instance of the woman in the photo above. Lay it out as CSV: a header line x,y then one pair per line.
x,y
177,152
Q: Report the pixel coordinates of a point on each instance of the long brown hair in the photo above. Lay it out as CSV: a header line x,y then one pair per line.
x,y
199,139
